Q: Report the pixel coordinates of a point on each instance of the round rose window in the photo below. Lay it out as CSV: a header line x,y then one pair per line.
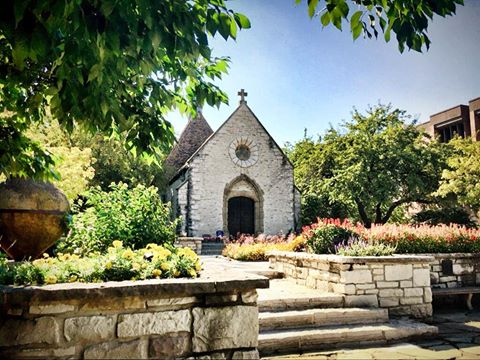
x,y
243,152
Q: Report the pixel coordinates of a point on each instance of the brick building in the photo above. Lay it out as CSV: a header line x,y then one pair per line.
x,y
462,120
236,179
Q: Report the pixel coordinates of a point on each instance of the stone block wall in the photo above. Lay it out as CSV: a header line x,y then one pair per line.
x,y
455,270
154,319
399,283
194,243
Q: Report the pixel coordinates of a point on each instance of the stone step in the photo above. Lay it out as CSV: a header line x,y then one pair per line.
x,y
298,340
322,300
271,274
320,317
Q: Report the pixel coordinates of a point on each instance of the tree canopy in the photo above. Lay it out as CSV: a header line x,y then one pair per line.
x,y
375,164
462,177
407,19
109,66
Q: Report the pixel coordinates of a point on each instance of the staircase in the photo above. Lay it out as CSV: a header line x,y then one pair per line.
x,y
294,319
212,247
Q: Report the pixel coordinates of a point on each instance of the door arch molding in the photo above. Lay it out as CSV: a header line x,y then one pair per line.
x,y
243,186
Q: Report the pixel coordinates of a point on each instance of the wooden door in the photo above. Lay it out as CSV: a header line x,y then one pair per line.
x,y
241,216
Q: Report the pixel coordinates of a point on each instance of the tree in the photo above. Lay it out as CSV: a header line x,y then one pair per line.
x,y
407,19
462,177
377,164
311,163
115,66
83,160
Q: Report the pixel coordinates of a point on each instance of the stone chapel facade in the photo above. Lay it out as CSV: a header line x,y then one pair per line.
x,y
236,179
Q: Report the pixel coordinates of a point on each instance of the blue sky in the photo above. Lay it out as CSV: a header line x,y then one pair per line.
x,y
299,75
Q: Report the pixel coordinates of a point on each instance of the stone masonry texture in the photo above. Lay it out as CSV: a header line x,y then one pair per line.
x,y
269,181
175,321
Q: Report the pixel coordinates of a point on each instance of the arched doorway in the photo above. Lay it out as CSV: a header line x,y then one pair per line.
x,y
241,215
242,207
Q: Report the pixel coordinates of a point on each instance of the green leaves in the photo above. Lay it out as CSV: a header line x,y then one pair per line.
x,y
112,66
407,19
397,167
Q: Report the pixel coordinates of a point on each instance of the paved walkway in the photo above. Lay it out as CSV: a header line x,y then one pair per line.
x,y
458,338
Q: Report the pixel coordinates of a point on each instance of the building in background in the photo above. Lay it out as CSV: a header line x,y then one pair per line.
x,y
461,120
234,180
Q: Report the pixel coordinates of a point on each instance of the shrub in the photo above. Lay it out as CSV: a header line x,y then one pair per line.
x,y
323,239
250,248
357,247
134,216
119,263
444,215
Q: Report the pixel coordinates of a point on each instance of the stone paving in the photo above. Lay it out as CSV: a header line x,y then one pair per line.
x,y
458,338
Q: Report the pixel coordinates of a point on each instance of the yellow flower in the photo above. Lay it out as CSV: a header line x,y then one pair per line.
x,y
46,256
156,272
51,279
198,266
176,273
73,278
192,273
165,266
135,266
117,244
108,265
128,254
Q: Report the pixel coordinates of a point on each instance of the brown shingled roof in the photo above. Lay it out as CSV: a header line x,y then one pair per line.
x,y
194,134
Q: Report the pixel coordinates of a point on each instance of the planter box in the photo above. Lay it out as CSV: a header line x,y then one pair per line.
x,y
194,243
400,283
215,316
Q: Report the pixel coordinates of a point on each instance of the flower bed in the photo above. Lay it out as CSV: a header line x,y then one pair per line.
x,y
213,316
249,248
119,263
407,239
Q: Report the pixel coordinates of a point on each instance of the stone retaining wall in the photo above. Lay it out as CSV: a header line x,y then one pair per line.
x,y
194,243
399,283
211,317
455,270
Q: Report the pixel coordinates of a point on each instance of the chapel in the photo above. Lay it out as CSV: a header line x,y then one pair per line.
x,y
236,180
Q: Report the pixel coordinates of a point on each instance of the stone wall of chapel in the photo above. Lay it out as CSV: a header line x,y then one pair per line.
x,y
212,169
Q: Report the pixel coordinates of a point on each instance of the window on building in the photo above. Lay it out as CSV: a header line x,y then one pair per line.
x,y
447,132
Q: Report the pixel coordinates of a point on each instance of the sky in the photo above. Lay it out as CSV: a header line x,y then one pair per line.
x,y
299,76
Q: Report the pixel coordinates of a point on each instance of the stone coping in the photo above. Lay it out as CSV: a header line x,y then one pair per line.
x,y
187,238
353,259
454,255
209,281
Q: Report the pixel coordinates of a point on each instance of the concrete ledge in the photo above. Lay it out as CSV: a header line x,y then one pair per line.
x,y
353,259
208,282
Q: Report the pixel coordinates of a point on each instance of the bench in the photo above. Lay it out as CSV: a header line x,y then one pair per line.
x,y
468,290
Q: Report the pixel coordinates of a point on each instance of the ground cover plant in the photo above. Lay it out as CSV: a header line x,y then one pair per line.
x,y
117,264
135,216
251,248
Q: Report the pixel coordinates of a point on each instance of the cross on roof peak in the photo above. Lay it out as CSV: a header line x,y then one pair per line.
x,y
242,95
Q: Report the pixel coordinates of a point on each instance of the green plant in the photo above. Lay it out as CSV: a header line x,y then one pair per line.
x,y
117,264
113,66
444,215
135,216
399,166
256,249
357,247
323,239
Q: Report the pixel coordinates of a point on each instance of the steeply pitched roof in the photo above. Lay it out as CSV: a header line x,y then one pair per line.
x,y
242,104
192,137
